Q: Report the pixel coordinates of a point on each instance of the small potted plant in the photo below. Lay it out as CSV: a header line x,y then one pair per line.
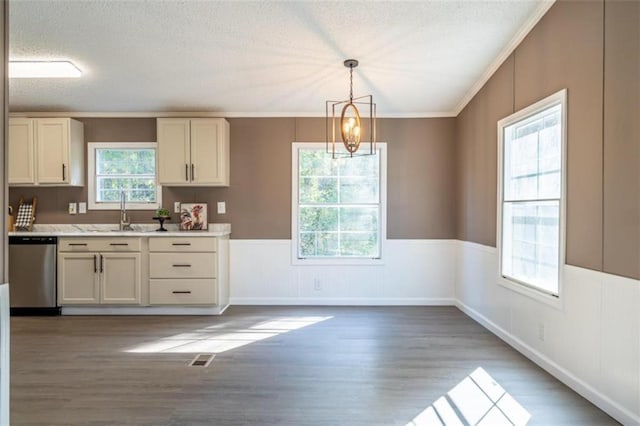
x,y
162,214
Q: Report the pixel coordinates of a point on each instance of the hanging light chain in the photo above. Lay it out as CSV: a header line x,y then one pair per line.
x,y
351,83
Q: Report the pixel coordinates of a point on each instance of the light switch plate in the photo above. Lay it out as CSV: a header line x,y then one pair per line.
x,y
82,208
222,207
72,208
176,207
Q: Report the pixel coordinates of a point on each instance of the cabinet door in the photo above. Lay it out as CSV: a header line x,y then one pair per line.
x,y
174,166
52,136
208,152
78,279
120,275
21,151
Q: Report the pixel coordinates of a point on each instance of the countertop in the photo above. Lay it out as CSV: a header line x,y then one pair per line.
x,y
111,230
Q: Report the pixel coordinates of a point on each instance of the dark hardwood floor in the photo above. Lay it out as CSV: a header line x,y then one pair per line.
x,y
278,366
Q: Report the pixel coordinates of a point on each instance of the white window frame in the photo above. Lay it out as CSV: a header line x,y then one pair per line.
x,y
295,260
91,176
558,98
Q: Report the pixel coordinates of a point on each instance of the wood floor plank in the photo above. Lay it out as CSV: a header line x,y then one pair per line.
x,y
273,366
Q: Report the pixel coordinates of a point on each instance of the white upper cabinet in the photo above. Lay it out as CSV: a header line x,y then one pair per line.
x,y
21,152
46,151
193,151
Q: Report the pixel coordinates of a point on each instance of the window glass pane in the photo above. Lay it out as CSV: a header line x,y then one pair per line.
x,y
359,244
318,219
338,205
530,242
365,166
313,162
359,190
131,170
359,218
134,161
139,190
324,244
318,190
532,157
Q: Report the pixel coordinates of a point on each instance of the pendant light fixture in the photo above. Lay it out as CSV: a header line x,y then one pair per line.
x,y
356,127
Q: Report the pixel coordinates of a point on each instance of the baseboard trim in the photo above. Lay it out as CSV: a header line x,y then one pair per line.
x,y
342,301
603,402
143,310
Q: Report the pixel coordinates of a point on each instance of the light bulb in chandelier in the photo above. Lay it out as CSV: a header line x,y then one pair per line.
x,y
350,120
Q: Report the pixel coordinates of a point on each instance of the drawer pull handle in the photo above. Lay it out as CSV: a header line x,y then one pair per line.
x,y
118,244
181,265
78,244
181,244
181,292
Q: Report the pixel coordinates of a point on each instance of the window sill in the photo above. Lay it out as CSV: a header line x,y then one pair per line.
x,y
129,206
530,292
328,261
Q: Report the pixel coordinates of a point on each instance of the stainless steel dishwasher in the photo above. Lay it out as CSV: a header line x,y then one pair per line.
x,y
32,275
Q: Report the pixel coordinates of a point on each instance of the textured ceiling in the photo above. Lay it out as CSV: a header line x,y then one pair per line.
x,y
260,58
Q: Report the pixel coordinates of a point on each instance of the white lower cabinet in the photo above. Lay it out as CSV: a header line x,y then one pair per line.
x,y
78,280
88,277
182,291
183,271
189,271
120,279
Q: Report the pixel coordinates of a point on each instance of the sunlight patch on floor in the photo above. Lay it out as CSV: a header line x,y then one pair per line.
x,y
477,400
217,340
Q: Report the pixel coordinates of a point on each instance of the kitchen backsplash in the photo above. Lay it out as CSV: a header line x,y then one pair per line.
x,y
53,203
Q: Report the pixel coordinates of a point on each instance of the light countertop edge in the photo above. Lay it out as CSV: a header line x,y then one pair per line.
x,y
109,230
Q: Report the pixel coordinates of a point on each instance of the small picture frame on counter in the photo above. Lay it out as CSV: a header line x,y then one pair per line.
x,y
193,216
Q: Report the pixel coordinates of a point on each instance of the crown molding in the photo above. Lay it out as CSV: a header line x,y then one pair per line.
x,y
169,114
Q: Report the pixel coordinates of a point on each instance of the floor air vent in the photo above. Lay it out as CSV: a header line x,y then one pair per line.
x,y
202,360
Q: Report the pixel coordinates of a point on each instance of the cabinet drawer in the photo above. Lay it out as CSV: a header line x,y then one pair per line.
x,y
183,292
182,265
98,244
182,244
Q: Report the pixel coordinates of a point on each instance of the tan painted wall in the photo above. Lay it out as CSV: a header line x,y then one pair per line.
x,y
476,154
421,171
622,138
566,50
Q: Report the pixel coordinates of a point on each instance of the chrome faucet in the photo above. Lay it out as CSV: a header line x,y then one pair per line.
x,y
125,225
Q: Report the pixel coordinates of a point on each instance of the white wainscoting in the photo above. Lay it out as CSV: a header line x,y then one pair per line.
x,y
592,343
415,272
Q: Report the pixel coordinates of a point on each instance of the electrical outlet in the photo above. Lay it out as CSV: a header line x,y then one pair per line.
x,y
72,208
176,207
82,208
222,207
317,285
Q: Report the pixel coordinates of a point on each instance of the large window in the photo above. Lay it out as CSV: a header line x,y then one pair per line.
x,y
338,205
531,195
123,167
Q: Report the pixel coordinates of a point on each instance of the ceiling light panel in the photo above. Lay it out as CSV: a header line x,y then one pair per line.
x,y
43,69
